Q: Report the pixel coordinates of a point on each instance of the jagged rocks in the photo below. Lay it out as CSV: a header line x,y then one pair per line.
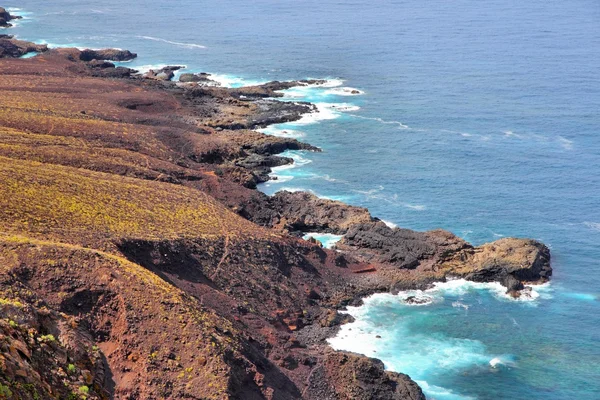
x,y
5,16
164,74
509,261
107,54
306,212
201,78
14,48
404,248
345,376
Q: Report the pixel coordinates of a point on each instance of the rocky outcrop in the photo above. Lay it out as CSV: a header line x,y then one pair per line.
x,y
276,112
107,54
5,17
302,211
14,48
106,69
163,74
440,254
271,89
509,261
348,376
201,78
402,248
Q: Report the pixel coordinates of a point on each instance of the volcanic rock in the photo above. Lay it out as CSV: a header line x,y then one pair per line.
x,y
346,375
201,78
306,212
5,16
107,54
164,74
14,48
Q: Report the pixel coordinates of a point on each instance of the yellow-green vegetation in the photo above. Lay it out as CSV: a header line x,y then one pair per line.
x,y
5,392
14,303
47,338
76,206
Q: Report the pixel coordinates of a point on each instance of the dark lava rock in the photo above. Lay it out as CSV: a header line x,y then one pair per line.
x,y
308,213
202,78
106,69
276,112
416,300
403,248
255,161
352,376
13,48
5,16
164,74
106,54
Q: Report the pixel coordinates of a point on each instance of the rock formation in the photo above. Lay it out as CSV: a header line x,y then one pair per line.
x,y
107,54
14,48
5,17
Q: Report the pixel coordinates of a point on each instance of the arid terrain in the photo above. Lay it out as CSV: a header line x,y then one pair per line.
x,y
138,261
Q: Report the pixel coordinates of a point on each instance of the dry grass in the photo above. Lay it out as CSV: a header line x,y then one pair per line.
x,y
78,206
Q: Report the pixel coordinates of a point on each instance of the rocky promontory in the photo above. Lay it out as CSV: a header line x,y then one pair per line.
x,y
14,48
106,54
5,17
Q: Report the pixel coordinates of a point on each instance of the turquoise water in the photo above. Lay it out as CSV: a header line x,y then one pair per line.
x,y
477,117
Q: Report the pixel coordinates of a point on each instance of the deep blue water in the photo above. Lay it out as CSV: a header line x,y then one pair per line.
x,y
477,117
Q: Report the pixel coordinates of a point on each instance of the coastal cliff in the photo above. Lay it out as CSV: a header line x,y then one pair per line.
x,y
137,260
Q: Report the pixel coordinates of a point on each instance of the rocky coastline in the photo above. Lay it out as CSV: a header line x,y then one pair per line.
x,y
175,277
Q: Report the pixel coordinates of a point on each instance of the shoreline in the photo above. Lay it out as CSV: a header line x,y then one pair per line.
x,y
331,217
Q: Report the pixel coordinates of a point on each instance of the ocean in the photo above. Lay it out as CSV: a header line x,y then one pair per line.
x,y
481,118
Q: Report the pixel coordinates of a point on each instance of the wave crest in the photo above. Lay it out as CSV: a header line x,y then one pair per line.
x,y
180,44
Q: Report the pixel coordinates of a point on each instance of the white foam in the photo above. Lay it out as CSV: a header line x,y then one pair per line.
x,y
595,226
232,81
460,287
329,83
512,134
62,45
437,392
327,239
299,161
419,354
417,207
273,130
326,111
416,298
565,143
142,69
180,44
344,91
458,304
328,178
389,224
495,361
380,120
